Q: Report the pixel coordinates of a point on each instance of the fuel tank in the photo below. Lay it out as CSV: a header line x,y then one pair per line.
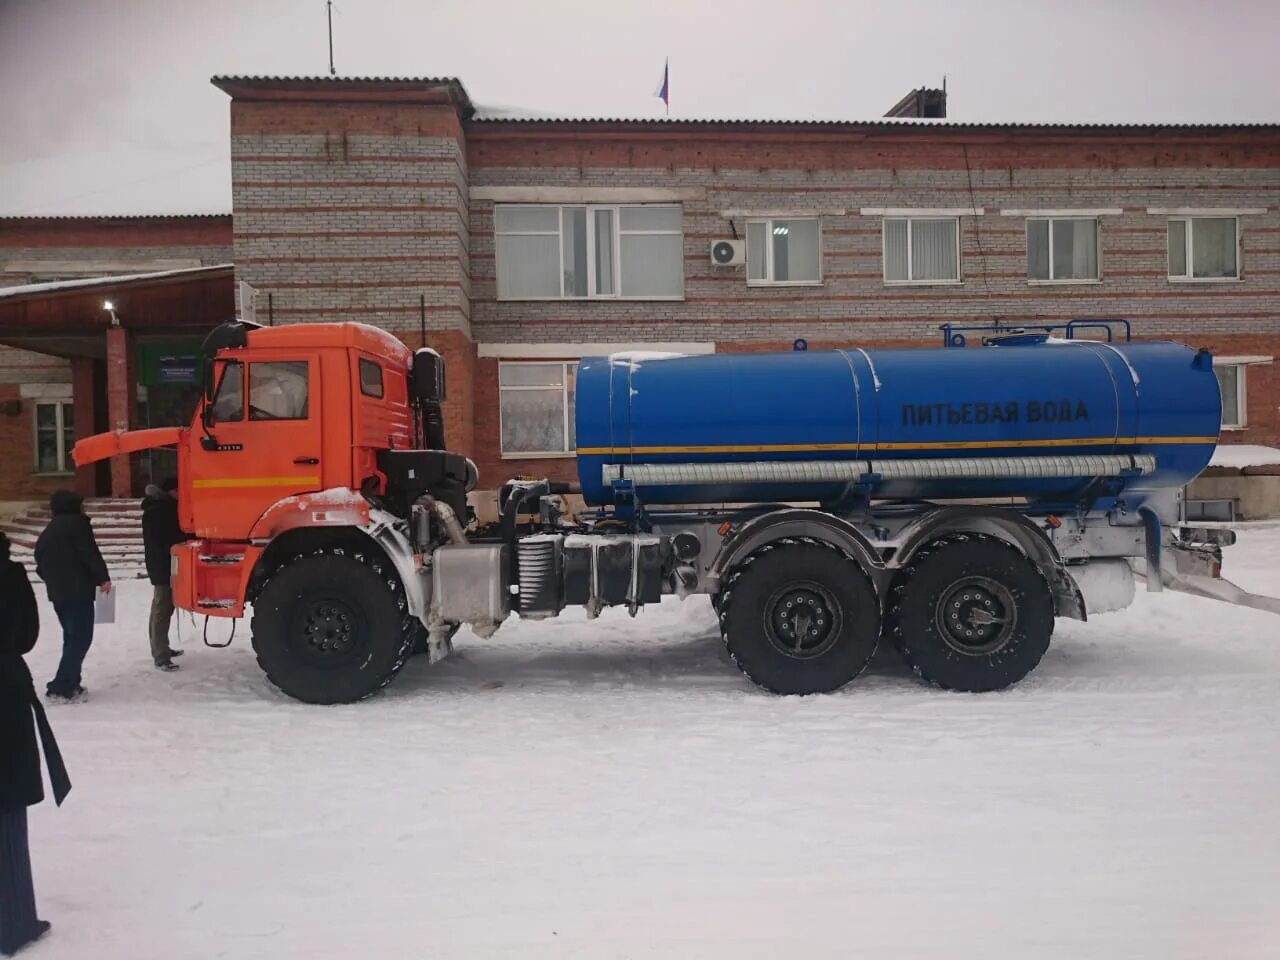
x,y
1054,421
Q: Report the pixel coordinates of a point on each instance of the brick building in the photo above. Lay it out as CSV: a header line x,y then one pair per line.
x,y
516,246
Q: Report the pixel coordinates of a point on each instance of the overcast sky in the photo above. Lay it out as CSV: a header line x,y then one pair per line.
x,y
106,106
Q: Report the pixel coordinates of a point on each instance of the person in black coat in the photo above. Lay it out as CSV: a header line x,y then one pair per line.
x,y
160,532
21,716
70,564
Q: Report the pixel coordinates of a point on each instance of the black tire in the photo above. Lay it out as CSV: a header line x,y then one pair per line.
x,y
816,651
331,627
971,612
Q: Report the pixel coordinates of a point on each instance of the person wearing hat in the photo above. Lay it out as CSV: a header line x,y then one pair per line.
x,y
22,719
70,564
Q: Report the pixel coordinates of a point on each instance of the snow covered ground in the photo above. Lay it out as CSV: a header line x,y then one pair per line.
x,y
617,789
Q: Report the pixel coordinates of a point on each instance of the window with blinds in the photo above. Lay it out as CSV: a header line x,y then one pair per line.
x,y
921,250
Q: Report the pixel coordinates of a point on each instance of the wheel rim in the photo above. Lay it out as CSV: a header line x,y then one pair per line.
x,y
327,631
976,616
802,620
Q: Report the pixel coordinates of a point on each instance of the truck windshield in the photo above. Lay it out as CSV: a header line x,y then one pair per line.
x,y
278,390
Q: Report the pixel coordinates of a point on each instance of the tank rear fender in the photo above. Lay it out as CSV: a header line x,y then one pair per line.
x,y
799,523
1008,526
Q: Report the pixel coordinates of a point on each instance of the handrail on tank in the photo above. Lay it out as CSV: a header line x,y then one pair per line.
x,y
954,336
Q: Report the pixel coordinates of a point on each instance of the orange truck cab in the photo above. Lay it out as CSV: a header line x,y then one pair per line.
x,y
309,440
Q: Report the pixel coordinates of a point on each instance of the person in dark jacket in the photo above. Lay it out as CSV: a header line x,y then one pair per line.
x,y
21,717
160,531
70,564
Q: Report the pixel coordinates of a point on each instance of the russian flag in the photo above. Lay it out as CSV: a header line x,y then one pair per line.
x,y
664,88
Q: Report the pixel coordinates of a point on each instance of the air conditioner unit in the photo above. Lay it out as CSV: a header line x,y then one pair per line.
x,y
728,253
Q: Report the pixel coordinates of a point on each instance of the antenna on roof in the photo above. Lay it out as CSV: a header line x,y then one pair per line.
x,y
329,10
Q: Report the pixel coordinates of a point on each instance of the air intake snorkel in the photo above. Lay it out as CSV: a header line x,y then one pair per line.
x,y
427,387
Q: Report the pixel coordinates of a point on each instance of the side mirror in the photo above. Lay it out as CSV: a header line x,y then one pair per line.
x,y
206,379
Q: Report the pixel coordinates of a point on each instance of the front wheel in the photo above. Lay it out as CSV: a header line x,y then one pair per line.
x,y
330,628
800,617
971,612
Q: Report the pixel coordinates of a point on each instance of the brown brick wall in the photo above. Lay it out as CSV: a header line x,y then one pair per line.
x,y
353,212
114,233
17,440
568,145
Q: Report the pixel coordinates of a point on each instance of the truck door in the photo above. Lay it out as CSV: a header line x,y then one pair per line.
x,y
263,442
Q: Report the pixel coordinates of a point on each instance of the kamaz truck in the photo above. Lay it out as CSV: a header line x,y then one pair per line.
x,y
951,501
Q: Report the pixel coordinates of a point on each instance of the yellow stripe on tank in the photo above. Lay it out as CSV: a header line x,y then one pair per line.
x,y
257,482
898,447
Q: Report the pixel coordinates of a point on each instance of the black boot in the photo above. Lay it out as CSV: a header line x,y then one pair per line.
x,y
40,929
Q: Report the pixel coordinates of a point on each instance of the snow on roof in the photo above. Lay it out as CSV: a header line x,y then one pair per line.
x,y
1244,455
55,286
59,217
512,115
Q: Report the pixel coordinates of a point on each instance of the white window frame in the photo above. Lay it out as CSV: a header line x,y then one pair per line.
x,y
768,280
564,405
909,282
1188,220
1097,239
65,465
1242,366
618,233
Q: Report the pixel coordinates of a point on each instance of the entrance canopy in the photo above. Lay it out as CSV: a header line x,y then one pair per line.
x,y
67,318
119,333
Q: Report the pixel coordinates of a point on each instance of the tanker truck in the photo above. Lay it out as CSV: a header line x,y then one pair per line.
x,y
950,501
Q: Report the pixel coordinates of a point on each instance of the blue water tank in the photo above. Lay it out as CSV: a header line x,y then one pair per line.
x,y
1069,400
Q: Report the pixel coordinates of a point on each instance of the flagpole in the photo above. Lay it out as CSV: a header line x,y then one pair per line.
x,y
666,101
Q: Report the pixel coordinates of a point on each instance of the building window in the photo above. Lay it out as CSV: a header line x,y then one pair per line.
x,y
1062,249
922,250
1231,383
579,252
536,408
55,436
784,251
1204,248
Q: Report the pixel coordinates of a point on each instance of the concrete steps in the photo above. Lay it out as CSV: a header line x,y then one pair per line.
x,y
117,526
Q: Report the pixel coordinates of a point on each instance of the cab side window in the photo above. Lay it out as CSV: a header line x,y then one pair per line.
x,y
228,404
370,379
278,390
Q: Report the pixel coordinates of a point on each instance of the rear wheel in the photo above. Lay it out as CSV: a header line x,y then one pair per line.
x,y
800,617
331,627
971,612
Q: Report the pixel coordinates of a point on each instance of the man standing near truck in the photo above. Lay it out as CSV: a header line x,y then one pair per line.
x,y
70,564
160,531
